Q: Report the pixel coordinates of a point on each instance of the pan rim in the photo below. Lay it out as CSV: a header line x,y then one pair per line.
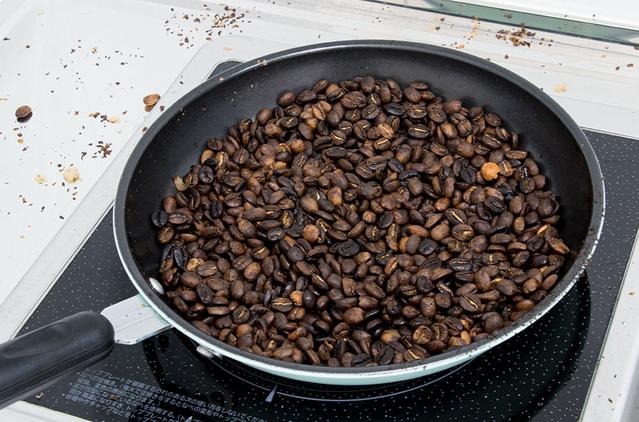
x,y
384,371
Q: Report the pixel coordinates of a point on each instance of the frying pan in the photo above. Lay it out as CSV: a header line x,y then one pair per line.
x,y
175,141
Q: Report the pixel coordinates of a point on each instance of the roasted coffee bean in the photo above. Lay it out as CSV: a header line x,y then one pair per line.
x,y
282,304
206,269
460,264
159,218
218,310
178,218
354,315
506,287
24,113
286,99
463,232
311,233
558,246
470,303
190,279
165,234
169,204
427,247
492,322
254,214
205,293
374,290
524,305
440,231
348,249
494,204
295,254
418,131
359,223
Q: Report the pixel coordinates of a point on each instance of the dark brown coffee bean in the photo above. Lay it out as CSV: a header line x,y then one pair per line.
x,y
241,315
190,279
295,254
374,290
439,232
205,293
309,205
159,218
427,246
286,99
169,204
237,289
492,322
24,113
274,234
506,287
463,232
558,246
282,304
348,249
460,264
252,271
470,303
354,316
524,305
494,204
390,336
218,310
178,218
165,234
255,214
418,131
311,233
530,286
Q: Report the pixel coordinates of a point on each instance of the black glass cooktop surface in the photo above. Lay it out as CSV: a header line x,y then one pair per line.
x,y
543,373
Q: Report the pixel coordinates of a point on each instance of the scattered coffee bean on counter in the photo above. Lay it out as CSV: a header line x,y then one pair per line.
x,y
360,223
150,101
23,113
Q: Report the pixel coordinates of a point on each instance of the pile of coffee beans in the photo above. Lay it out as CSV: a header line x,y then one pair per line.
x,y
359,223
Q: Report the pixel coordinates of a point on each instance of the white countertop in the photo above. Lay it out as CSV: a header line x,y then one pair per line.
x,y
71,59
616,13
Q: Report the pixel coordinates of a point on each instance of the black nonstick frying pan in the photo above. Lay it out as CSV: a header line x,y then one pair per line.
x,y
176,139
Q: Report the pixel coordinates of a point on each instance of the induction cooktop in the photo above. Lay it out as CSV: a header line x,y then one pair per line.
x,y
543,373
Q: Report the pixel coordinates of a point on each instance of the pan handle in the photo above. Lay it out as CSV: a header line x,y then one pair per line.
x,y
134,320
33,361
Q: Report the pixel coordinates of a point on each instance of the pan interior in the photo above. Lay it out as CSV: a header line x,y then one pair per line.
x,y
180,139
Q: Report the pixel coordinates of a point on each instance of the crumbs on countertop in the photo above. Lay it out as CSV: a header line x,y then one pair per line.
x,y
104,149
212,24
516,37
560,88
71,174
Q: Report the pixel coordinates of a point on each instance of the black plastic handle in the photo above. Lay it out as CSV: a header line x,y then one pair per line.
x,y
31,362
